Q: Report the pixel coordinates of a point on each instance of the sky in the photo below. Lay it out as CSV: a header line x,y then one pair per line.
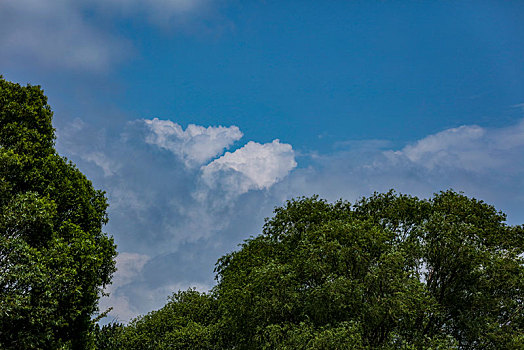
x,y
199,117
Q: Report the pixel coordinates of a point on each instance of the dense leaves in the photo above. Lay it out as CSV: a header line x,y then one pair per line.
x,y
391,271
188,321
54,257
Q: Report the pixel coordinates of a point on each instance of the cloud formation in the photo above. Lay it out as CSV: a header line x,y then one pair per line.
x,y
255,166
129,267
486,163
195,145
158,12
79,35
170,237
90,144
143,283
469,148
54,34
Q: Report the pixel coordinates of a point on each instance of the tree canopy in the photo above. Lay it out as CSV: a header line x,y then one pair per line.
x,y
54,257
390,271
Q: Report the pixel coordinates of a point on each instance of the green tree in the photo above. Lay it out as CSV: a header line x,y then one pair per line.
x,y
389,272
54,257
109,336
187,321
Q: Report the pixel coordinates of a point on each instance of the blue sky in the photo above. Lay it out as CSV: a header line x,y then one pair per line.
x,y
199,117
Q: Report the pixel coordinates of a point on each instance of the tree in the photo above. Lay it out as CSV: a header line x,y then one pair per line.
x,y
187,321
109,336
390,271
54,257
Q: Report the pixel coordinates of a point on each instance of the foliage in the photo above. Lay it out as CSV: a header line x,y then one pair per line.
x,y
54,257
391,271
188,321
109,336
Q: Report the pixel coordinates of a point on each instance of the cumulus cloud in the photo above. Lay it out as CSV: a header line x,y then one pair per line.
x,y
195,145
175,236
255,166
470,148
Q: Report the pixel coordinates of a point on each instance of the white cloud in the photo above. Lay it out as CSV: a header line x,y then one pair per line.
x,y
159,12
155,209
54,34
82,140
129,267
78,35
102,161
486,163
470,148
151,298
130,274
195,145
452,147
509,138
254,166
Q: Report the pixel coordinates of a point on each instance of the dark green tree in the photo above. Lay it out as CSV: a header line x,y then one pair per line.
x,y
54,257
187,321
109,336
389,272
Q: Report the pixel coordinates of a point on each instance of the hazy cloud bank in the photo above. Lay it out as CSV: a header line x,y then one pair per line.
x,y
470,148
172,221
54,34
484,162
